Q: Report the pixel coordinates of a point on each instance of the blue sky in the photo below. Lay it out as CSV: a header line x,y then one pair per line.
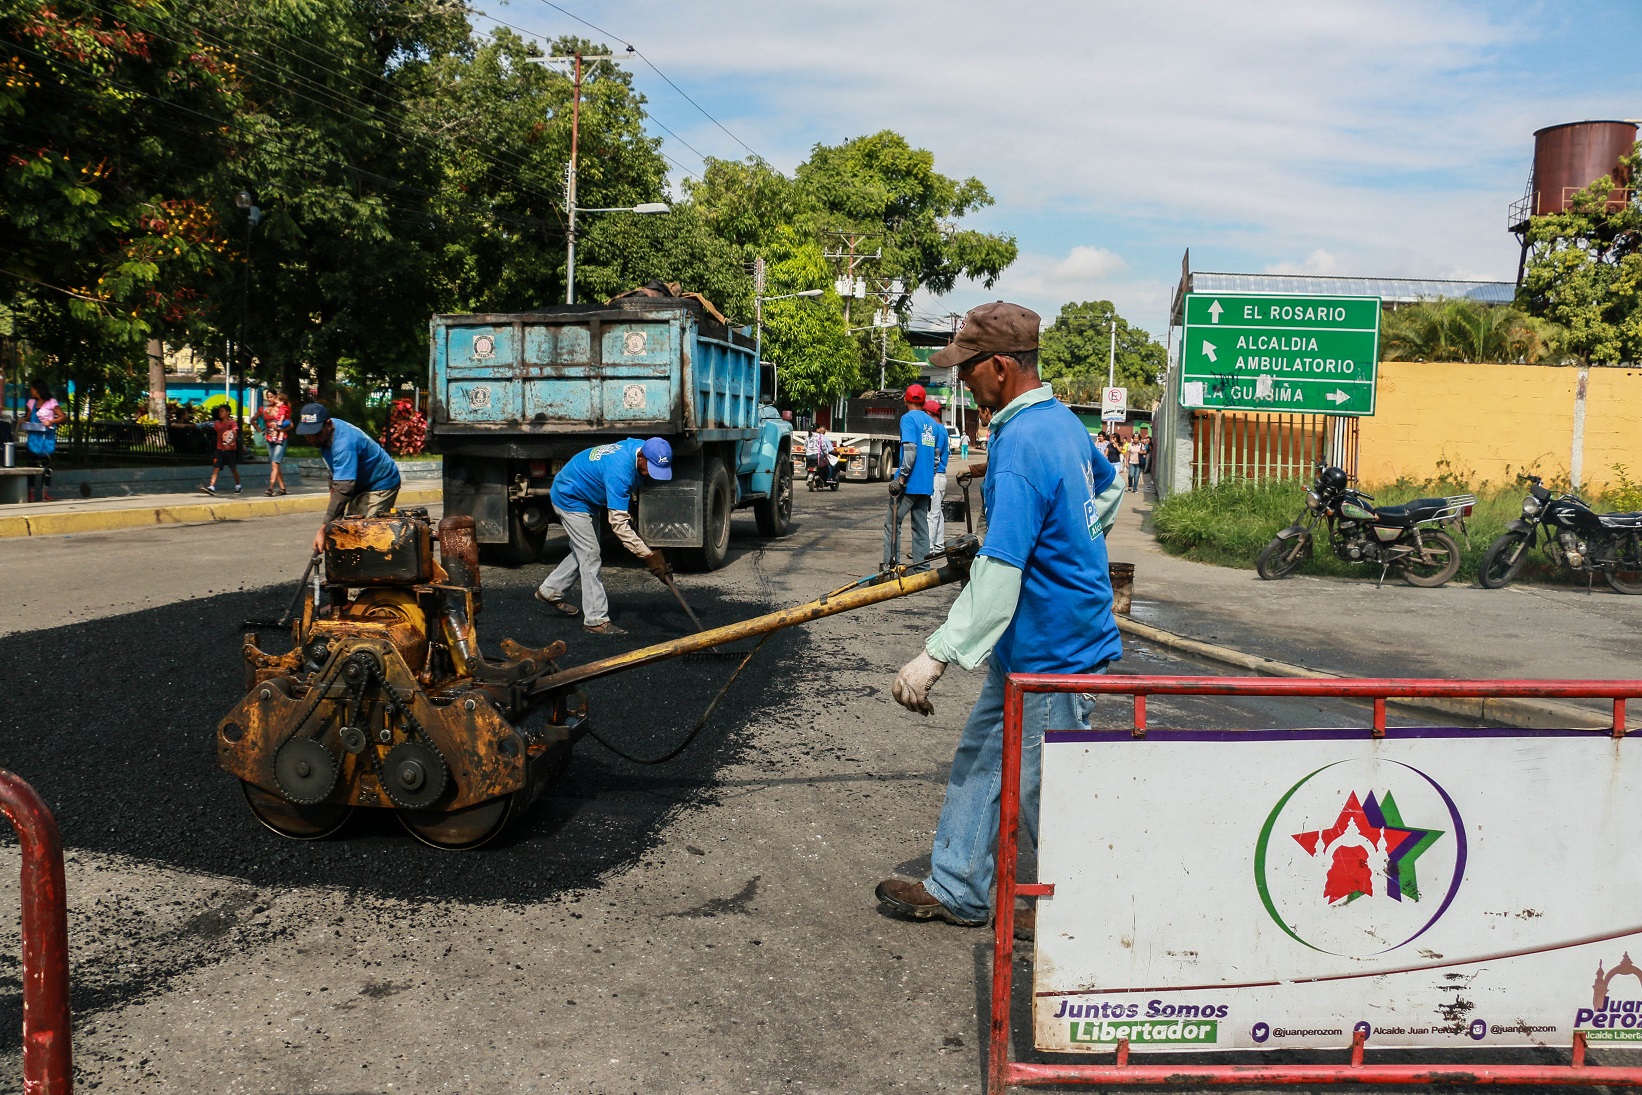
x,y
1383,138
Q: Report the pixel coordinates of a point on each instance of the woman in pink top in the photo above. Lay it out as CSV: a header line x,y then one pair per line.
x,y
40,430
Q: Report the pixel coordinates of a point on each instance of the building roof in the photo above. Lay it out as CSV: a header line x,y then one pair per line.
x,y
1390,290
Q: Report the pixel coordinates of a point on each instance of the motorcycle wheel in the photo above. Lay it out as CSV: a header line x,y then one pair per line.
x,y
1625,581
1503,561
1279,558
1430,575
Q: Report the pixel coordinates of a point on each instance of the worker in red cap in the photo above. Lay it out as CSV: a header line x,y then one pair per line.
x,y
913,483
937,499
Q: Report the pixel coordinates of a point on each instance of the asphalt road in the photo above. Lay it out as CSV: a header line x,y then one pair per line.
x,y
702,926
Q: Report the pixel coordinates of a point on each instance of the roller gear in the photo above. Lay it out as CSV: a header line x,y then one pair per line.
x,y
414,775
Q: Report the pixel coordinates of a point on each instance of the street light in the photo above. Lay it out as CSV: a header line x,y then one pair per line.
x,y
242,200
570,232
758,328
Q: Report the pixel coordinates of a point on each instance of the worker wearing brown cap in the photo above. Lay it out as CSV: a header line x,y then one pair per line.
x,y
1039,600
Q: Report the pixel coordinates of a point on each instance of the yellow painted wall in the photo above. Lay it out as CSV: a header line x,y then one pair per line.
x,y
1492,422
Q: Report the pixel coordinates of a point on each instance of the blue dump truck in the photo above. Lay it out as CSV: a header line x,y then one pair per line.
x,y
515,396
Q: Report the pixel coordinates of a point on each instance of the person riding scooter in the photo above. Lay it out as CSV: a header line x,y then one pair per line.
x,y
822,460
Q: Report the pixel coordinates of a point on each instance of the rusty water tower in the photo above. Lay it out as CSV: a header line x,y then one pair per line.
x,y
1567,159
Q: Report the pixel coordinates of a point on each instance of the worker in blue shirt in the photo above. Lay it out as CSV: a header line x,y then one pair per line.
x,y
604,477
364,478
1039,600
914,481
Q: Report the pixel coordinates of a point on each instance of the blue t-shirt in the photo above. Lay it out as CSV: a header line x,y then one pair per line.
x,y
1042,480
598,478
918,429
943,448
352,455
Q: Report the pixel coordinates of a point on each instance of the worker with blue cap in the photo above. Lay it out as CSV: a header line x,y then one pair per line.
x,y
605,477
364,478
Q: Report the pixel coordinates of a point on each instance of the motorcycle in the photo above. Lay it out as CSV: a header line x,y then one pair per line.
x,y
1576,537
1412,538
819,478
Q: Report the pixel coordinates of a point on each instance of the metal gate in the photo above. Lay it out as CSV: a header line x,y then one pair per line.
x,y
1246,445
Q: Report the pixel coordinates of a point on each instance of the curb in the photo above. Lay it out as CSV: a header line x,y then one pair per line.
x,y
63,524
1506,710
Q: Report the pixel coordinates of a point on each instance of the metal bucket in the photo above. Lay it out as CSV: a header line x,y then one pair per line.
x,y
1123,587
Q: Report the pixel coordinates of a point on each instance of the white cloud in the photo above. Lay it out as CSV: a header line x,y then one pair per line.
x,y
1318,262
1088,264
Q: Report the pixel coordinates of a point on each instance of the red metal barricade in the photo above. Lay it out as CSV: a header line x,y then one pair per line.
x,y
1004,1072
47,1062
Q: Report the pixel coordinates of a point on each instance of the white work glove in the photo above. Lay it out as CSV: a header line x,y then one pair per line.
x,y
913,682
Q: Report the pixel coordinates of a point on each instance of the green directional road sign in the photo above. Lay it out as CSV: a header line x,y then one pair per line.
x,y
1296,354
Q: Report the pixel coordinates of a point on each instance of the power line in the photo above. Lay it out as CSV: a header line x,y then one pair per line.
x,y
640,54
339,100
647,115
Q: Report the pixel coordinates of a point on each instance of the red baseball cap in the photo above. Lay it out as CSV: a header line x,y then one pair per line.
x,y
932,406
915,394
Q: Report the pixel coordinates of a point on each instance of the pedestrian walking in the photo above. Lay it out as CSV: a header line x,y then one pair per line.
x,y
43,413
364,478
606,478
1132,456
274,419
913,482
1038,600
225,450
963,446
937,498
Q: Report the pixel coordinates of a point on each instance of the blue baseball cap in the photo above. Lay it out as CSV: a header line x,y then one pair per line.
x,y
658,454
312,419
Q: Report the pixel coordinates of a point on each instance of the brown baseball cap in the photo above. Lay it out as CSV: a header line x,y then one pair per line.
x,y
998,328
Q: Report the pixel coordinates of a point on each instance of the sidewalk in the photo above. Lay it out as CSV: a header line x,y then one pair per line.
x,y
1347,627
144,511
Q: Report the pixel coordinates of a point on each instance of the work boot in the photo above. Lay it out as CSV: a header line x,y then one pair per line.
x,y
912,901
605,628
558,602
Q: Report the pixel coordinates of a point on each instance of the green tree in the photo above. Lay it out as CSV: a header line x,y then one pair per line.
x,y
1584,269
1464,330
1075,348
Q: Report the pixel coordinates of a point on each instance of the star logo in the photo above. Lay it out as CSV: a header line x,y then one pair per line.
x,y
1369,851
1341,870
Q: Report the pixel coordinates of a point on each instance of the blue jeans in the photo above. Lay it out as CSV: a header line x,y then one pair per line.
x,y
966,838
917,506
1134,476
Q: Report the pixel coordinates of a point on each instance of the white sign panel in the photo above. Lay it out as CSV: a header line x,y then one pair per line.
x,y
1281,889
1114,401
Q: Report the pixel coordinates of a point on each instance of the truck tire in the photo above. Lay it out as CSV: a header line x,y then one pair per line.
x,y
522,547
717,500
774,514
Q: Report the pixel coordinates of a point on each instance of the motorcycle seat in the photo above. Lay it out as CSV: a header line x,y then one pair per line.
x,y
1411,512
1621,520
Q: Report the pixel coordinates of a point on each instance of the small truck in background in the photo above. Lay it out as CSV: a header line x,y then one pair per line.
x,y
871,424
517,395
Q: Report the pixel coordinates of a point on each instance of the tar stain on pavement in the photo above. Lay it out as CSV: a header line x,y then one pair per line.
x,y
113,722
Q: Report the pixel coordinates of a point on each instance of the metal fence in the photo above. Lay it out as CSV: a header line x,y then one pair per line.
x,y
94,439
1248,445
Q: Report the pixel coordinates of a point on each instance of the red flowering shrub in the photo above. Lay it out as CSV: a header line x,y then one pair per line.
x,y
407,430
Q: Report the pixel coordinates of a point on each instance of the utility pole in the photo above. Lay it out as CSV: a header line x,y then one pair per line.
x,y
1111,357
570,170
850,258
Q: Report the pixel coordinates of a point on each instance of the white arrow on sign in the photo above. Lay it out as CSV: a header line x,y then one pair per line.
x,y
1214,314
1208,349
1336,396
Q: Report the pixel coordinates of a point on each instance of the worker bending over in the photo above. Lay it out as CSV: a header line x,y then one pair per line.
x,y
1039,600
913,482
604,477
364,478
